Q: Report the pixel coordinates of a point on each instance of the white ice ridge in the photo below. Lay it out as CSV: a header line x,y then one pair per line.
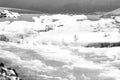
x,y
61,29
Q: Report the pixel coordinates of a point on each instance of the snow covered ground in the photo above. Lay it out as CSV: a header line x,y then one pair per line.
x,y
55,47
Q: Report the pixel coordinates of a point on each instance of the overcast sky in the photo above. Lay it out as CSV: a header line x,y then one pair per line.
x,y
56,4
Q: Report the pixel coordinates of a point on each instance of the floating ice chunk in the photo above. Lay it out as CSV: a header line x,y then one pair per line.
x,y
117,19
80,17
11,14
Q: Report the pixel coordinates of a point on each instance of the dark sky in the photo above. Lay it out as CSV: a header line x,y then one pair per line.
x,y
53,5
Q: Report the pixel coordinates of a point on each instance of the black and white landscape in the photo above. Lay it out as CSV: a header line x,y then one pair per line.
x,y
47,46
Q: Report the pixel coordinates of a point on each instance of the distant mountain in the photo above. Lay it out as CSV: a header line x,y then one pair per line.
x,y
115,12
19,10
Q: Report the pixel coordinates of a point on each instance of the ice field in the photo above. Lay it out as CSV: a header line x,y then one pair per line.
x,y
62,47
